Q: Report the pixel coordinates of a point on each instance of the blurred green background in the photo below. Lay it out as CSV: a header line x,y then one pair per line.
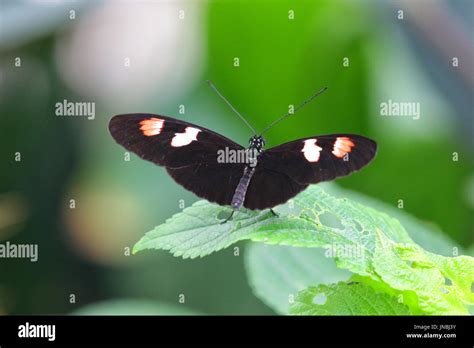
x,y
155,57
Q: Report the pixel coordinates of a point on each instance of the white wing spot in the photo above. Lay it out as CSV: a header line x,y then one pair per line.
x,y
183,139
311,150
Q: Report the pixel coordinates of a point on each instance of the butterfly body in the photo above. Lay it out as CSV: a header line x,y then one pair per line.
x,y
256,144
191,156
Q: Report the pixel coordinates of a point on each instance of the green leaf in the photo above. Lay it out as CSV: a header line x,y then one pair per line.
x,y
197,231
345,227
350,232
346,299
276,273
133,307
442,284
426,234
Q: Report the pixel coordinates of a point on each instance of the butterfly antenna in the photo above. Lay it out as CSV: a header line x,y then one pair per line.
x,y
296,109
230,105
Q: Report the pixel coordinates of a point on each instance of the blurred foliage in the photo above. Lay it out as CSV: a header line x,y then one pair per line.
x,y
277,273
284,61
133,307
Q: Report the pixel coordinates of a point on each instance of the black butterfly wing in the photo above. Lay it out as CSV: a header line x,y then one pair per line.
x,y
214,182
287,169
269,188
189,152
167,141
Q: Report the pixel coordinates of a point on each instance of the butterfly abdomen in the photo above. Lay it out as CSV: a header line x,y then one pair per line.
x,y
241,190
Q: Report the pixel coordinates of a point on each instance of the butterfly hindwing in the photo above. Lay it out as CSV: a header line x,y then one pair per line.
x,y
269,188
320,158
215,182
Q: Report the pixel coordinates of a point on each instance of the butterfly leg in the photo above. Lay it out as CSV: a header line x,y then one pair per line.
x,y
352,283
230,217
274,213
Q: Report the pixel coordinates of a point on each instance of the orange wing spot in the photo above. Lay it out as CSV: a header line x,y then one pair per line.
x,y
342,146
151,126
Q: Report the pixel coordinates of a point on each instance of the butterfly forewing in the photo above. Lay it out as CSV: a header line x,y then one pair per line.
x,y
167,141
320,158
287,169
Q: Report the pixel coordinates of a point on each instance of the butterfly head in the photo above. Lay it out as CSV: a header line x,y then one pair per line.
x,y
257,142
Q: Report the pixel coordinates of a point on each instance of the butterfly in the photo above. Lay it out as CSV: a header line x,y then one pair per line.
x,y
192,156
